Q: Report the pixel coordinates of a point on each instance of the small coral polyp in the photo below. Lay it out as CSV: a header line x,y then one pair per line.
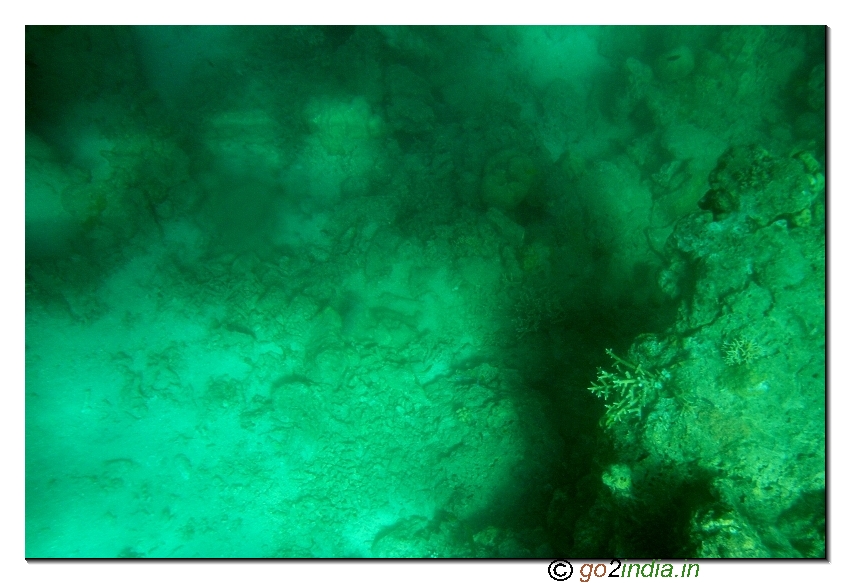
x,y
618,478
630,388
740,351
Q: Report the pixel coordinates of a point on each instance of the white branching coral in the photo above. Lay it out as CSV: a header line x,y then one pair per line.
x,y
626,390
741,351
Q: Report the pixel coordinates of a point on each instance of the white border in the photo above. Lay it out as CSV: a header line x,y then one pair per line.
x,y
431,12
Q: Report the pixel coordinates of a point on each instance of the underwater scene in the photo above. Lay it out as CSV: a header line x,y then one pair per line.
x,y
425,291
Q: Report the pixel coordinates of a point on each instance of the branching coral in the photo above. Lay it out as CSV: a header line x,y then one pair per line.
x,y
629,388
741,351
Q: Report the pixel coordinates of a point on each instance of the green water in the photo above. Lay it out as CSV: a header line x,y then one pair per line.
x,y
341,292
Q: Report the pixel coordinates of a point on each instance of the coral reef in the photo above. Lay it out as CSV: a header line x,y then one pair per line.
x,y
629,388
508,178
740,351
